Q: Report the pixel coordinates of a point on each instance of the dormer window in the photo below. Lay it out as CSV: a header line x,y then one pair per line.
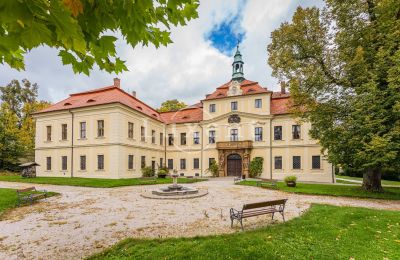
x,y
154,115
90,100
67,104
138,107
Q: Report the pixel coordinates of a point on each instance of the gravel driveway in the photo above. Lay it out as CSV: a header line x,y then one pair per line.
x,y
82,221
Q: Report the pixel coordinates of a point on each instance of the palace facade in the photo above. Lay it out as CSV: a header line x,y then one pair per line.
x,y
109,133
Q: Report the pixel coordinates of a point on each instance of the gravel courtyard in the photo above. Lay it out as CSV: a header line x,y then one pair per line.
x,y
82,221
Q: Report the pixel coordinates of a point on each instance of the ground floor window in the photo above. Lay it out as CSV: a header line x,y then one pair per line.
x,y
82,162
210,160
64,163
48,163
170,164
296,162
278,162
316,162
130,162
161,162
196,163
143,161
183,164
100,162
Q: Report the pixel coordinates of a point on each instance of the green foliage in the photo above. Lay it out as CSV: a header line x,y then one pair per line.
x,y
214,169
323,232
80,29
162,171
147,171
171,105
256,167
342,64
291,178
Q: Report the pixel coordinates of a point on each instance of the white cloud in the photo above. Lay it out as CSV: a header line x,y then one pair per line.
x,y
187,69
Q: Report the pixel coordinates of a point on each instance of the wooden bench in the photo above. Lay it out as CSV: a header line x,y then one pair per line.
x,y
257,209
267,182
29,195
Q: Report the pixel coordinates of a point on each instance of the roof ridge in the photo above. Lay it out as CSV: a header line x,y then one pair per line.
x,y
92,91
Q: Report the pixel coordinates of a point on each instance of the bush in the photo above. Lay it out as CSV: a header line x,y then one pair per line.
x,y
147,171
214,169
256,167
290,179
162,172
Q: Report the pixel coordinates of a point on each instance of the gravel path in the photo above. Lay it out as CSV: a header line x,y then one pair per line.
x,y
82,221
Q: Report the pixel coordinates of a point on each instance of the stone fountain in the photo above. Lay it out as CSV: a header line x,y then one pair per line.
x,y
175,191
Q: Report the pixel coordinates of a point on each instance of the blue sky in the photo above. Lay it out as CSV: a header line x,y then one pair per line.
x,y
198,60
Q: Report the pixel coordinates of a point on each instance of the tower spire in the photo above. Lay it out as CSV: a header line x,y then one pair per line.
x,y
237,65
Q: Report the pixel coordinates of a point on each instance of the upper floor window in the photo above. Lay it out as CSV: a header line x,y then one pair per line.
x,y
143,161
296,131
64,131
196,138
48,163
316,162
258,131
277,132
234,135
82,162
100,128
48,131
234,105
82,130
211,137
183,138
142,134
100,162
153,136
258,103
161,138
296,162
170,139
63,163
196,163
212,108
130,130
130,162
183,164
170,164
278,162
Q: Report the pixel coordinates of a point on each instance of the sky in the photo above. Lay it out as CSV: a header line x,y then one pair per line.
x,y
198,61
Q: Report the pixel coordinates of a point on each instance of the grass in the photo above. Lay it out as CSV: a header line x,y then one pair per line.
x,y
391,193
384,182
8,199
324,232
92,182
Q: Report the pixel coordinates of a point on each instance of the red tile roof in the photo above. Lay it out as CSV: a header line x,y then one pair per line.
x,y
101,96
248,87
280,103
185,115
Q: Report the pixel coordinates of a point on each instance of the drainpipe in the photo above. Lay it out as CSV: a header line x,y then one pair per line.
x,y
72,143
270,148
201,152
165,145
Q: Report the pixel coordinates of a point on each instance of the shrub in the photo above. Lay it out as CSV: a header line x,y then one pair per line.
x,y
147,171
214,169
256,167
162,172
290,179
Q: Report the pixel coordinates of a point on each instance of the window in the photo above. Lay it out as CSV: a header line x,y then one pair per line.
x,y
234,135
258,131
161,162
170,139
142,134
100,128
64,131
212,108
211,137
82,131
183,138
278,162
196,163
83,162
183,164
258,103
161,138
48,163
142,161
210,160
153,136
316,162
100,162
196,138
48,129
296,131
130,162
170,164
63,163
130,130
277,132
296,162
234,105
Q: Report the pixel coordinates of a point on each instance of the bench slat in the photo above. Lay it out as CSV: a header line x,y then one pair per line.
x,y
26,190
264,204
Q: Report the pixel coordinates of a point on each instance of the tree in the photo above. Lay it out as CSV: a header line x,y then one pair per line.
x,y
81,29
171,105
256,166
342,65
214,168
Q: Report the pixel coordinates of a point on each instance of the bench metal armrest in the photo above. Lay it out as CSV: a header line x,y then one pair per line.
x,y
235,213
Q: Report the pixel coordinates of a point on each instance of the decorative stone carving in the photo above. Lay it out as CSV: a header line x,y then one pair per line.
x,y
246,159
234,89
234,119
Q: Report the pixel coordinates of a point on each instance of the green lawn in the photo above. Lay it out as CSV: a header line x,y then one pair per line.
x,y
90,182
8,199
384,182
324,232
335,190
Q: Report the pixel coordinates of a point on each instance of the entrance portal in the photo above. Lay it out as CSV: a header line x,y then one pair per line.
x,y
234,167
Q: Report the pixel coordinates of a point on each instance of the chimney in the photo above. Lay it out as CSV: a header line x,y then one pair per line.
x,y
134,93
117,82
283,87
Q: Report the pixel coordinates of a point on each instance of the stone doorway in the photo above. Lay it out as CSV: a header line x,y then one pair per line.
x,y
234,165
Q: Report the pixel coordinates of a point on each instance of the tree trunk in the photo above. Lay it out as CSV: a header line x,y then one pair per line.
x,y
372,180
